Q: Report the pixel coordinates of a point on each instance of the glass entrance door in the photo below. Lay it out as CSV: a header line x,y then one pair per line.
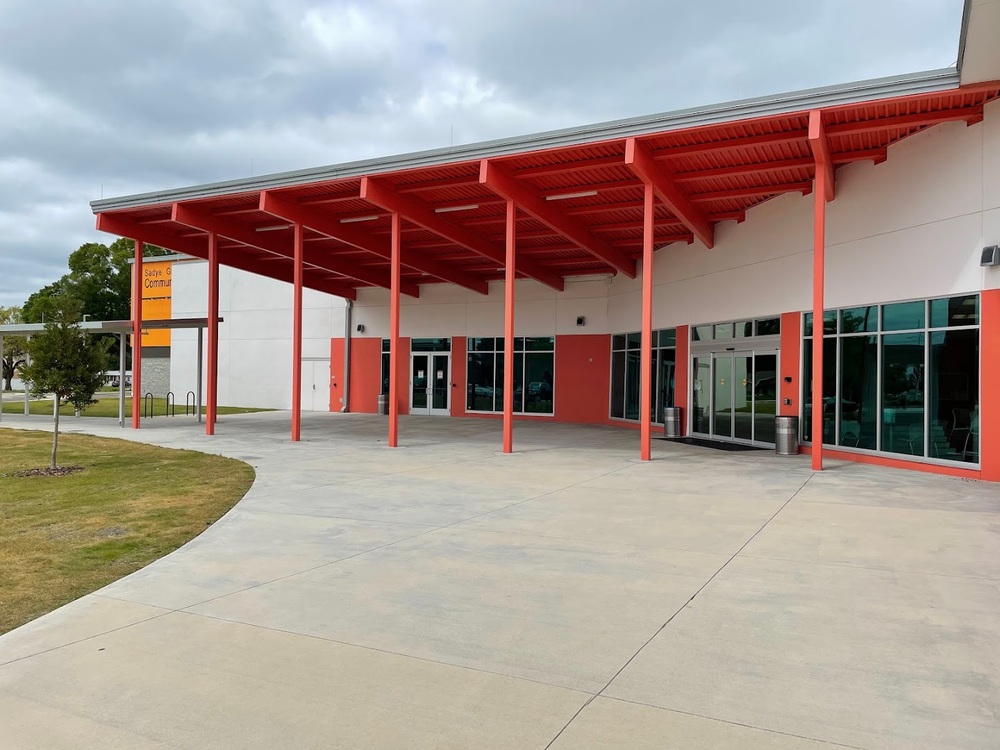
x,y
430,376
734,396
743,396
722,396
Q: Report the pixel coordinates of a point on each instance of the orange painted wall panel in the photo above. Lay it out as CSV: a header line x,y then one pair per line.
x,y
366,374
583,378
791,342
459,362
989,407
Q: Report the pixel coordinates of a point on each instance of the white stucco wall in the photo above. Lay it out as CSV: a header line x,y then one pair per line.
x,y
912,227
255,339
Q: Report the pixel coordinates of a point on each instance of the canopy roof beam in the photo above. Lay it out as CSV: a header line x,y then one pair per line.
x,y
350,235
228,257
275,243
380,194
821,153
529,200
639,160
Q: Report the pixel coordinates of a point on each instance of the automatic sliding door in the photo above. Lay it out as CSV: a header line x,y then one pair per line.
x,y
701,389
765,397
734,396
722,397
743,403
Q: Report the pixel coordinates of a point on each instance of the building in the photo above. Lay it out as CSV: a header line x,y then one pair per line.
x,y
670,260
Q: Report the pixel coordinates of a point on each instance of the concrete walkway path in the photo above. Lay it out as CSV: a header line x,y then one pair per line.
x,y
442,595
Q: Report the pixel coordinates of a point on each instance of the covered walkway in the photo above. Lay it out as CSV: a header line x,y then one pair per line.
x,y
445,595
598,199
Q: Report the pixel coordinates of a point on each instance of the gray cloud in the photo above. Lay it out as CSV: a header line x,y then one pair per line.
x,y
109,98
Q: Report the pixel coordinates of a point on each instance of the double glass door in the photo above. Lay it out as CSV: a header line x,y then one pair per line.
x,y
735,396
430,376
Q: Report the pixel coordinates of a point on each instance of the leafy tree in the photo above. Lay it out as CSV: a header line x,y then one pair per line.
x,y
36,307
100,277
65,361
13,346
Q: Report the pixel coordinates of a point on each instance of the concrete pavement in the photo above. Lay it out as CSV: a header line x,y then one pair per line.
x,y
443,595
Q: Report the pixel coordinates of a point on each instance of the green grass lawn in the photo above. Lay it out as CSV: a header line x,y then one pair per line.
x,y
63,537
108,407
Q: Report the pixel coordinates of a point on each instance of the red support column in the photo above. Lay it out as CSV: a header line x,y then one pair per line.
x,y
137,335
646,355
819,269
508,329
212,375
395,278
297,335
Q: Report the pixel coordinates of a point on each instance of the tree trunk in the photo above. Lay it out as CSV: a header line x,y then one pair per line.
x,y
55,435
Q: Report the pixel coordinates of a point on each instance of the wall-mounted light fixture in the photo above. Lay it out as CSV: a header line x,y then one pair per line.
x,y
361,328
991,256
580,320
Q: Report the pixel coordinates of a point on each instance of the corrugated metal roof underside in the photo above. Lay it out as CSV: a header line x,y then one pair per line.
x,y
579,203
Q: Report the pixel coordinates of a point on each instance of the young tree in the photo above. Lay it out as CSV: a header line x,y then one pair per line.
x,y
13,347
65,361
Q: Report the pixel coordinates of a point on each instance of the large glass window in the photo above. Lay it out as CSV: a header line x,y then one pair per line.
x,y
829,390
952,395
740,329
900,378
859,390
626,361
534,365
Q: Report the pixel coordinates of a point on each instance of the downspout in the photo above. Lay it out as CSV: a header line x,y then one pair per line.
x,y
347,357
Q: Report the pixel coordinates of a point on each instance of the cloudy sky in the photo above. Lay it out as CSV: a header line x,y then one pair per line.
x,y
112,97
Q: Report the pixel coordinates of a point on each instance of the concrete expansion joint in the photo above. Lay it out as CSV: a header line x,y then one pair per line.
x,y
680,609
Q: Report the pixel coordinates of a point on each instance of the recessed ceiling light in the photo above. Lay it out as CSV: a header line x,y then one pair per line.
x,y
564,196
452,209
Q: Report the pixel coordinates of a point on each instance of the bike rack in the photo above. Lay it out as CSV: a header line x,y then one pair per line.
x,y
190,402
147,402
171,409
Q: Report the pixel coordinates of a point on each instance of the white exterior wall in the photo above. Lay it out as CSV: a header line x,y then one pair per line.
x,y
255,339
912,227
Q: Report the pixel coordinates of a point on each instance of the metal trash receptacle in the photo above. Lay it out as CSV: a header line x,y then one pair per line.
x,y
786,436
383,404
672,422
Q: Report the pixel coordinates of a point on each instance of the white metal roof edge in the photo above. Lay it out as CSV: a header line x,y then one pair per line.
x,y
828,96
90,326
963,35
106,326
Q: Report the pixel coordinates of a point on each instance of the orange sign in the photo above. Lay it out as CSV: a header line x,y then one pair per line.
x,y
157,279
